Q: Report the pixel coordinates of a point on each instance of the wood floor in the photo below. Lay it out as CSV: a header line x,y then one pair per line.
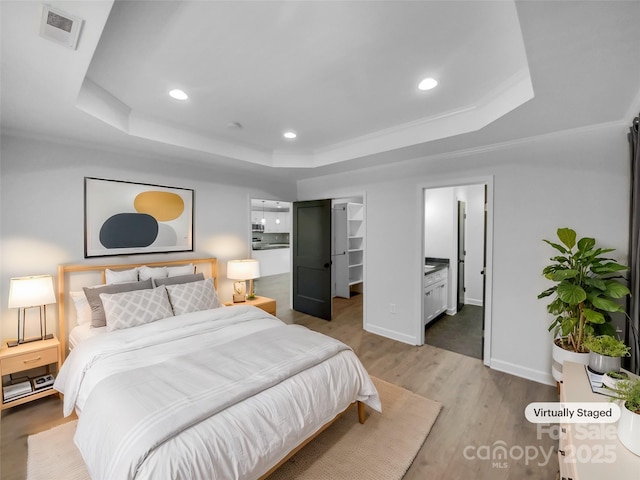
x,y
483,409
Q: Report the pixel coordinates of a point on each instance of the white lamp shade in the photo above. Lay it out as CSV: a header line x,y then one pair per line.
x,y
243,269
25,292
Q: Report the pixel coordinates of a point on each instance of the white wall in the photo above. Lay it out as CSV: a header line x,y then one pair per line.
x,y
440,224
578,179
42,209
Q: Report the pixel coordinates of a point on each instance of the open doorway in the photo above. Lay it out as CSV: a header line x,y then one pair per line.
x,y
328,256
270,233
455,303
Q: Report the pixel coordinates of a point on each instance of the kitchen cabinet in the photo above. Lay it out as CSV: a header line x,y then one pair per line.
x,y
435,293
275,222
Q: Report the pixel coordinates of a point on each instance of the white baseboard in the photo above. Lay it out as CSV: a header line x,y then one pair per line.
x,y
535,375
393,335
473,301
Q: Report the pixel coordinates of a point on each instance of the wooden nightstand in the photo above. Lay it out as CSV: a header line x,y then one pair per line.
x,y
265,303
27,356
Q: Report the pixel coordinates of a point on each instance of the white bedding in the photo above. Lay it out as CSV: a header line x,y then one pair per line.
x,y
216,440
80,333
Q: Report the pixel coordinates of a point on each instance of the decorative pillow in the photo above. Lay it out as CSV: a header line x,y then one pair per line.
x,y
146,273
130,309
193,296
121,276
194,277
83,310
182,270
93,297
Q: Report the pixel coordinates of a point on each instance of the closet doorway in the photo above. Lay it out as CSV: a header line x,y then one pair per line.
x,y
344,289
457,220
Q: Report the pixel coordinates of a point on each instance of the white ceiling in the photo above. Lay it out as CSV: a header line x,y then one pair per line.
x,y
342,74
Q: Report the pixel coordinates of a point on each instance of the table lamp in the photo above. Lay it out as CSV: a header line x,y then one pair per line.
x,y
243,270
31,292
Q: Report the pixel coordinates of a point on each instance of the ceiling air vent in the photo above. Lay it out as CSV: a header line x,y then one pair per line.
x,y
60,27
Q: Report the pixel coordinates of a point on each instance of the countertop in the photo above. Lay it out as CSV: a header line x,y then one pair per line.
x,y
432,267
432,264
270,246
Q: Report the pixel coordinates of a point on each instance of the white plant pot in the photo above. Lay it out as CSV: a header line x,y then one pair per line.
x,y
603,363
629,430
560,355
610,382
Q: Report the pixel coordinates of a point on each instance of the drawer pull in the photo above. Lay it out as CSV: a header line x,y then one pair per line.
x,y
561,452
31,360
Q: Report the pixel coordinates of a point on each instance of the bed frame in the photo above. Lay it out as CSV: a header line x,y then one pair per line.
x,y
95,274
76,276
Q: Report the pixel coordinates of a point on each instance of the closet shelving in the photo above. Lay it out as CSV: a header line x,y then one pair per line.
x,y
348,247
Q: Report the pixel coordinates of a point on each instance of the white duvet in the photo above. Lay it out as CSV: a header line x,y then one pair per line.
x,y
218,394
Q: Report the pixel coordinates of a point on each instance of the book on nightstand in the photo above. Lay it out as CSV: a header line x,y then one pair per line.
x,y
16,391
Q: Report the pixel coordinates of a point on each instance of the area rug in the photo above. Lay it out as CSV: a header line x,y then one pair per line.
x,y
381,449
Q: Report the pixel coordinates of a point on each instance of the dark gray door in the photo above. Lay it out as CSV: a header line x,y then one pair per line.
x,y
461,253
311,269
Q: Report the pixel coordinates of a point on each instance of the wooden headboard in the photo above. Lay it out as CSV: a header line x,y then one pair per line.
x,y
76,276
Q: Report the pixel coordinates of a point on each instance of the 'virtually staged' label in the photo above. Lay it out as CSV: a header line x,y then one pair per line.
x,y
572,412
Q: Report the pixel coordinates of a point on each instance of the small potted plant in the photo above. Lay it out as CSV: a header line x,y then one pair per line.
x,y
612,378
586,291
628,393
605,353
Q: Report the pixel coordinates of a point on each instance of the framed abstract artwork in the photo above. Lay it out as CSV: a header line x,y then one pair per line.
x,y
127,218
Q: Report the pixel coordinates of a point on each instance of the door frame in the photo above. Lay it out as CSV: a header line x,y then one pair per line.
x,y
460,236
488,181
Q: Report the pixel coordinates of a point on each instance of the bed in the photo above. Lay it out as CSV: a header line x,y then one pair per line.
x,y
175,385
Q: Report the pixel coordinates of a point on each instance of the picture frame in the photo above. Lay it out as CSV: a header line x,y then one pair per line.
x,y
129,218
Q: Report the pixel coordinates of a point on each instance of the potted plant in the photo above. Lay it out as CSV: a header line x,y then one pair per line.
x,y
612,378
628,392
586,290
605,353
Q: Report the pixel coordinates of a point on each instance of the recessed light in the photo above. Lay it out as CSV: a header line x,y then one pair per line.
x,y
290,135
178,94
427,84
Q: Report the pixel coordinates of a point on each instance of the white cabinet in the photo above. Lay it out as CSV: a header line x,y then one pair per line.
x,y
283,222
275,222
435,294
348,247
270,222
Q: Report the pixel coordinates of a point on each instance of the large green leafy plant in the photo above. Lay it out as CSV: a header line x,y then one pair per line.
x,y
587,288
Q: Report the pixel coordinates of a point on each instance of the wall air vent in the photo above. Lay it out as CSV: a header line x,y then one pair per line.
x,y
60,27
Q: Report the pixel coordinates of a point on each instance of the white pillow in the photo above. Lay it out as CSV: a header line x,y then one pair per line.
x,y
83,309
121,276
146,273
130,309
182,270
193,296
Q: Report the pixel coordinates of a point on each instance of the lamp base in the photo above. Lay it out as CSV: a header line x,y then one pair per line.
x,y
239,291
15,343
